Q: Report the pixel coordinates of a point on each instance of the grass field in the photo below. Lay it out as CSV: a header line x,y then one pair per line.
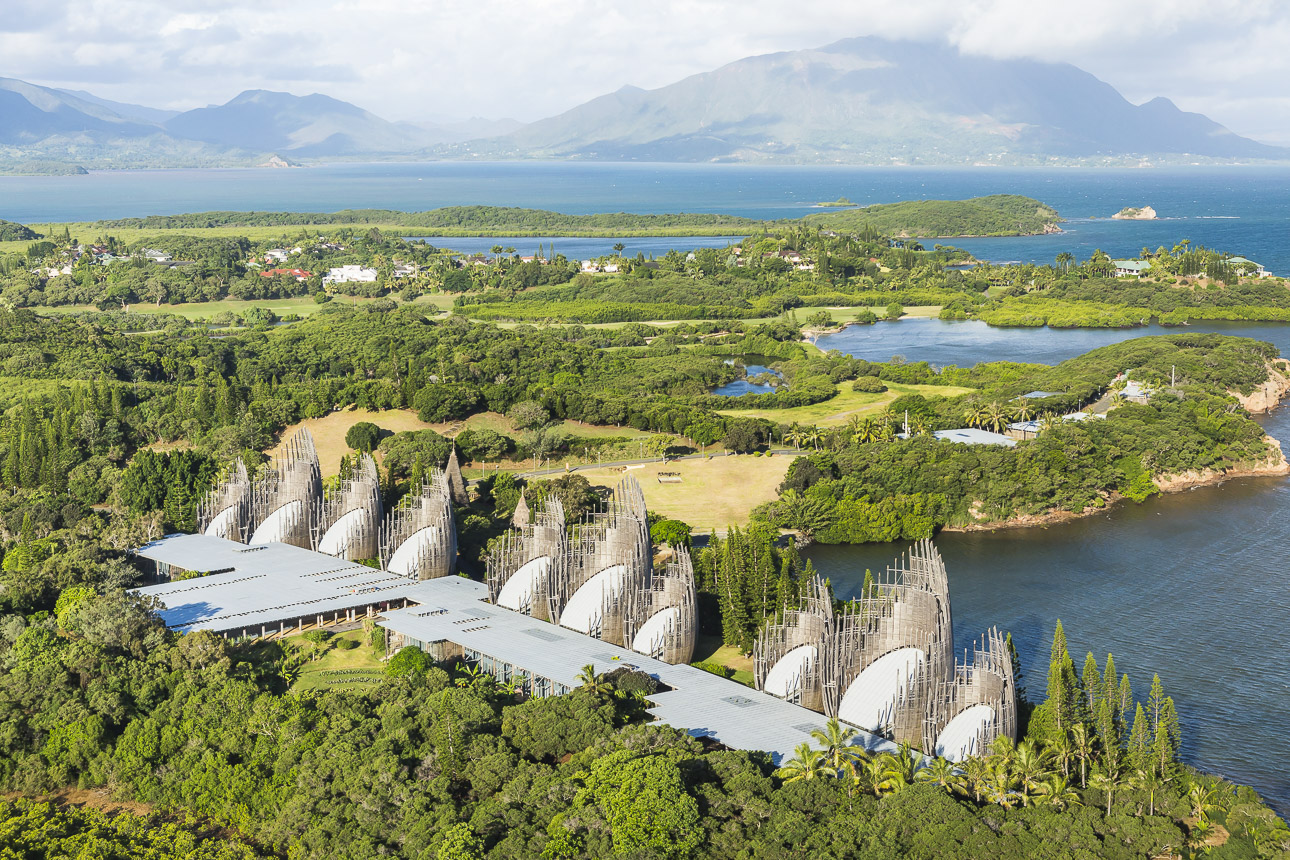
x,y
710,649
713,494
354,670
329,432
301,306
845,404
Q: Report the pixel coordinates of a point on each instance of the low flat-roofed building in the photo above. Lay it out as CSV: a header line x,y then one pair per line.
x,y
973,436
455,620
1030,429
265,589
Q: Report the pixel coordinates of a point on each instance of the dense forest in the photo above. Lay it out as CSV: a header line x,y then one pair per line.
x,y
459,221
995,215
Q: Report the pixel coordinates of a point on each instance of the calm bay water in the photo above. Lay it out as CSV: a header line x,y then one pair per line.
x,y
1239,209
967,342
1192,585
578,247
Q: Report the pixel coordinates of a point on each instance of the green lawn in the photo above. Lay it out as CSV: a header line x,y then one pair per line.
x,y
845,404
357,669
710,649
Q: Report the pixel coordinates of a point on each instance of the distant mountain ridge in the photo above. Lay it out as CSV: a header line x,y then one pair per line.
x,y
873,101
857,101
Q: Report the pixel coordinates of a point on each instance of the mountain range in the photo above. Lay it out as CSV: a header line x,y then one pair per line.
x,y
857,101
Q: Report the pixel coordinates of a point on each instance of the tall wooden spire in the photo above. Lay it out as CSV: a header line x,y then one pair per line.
x,y
521,517
456,483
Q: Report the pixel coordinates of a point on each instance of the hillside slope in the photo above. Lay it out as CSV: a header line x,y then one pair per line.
x,y
873,101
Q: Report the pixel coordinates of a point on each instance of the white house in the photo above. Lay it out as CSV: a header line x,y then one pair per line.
x,y
1249,266
350,275
1130,268
275,255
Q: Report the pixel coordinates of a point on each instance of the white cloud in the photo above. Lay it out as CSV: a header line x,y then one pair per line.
x,y
531,59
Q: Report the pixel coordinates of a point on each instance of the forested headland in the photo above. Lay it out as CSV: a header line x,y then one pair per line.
x,y
995,215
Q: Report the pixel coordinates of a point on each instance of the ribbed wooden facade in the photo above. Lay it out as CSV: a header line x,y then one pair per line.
x,y
884,661
419,538
598,578
347,520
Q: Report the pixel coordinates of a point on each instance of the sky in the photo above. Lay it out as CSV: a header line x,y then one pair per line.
x,y
453,59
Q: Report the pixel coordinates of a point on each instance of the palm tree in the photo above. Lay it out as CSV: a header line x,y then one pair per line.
x,y
902,767
1201,799
866,431
942,772
836,740
1058,792
1030,766
1149,782
590,681
1064,260
1023,411
1106,783
996,417
795,435
998,787
813,436
806,763
875,773
976,771
975,416
1082,745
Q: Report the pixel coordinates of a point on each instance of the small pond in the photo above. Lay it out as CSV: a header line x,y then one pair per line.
x,y
755,377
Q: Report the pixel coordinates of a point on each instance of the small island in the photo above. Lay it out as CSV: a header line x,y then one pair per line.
x,y
993,215
840,202
1131,213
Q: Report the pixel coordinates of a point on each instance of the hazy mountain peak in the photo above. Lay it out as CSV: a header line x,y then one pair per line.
x,y
877,101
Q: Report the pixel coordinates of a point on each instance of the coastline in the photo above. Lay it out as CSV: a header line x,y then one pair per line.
x,y
1263,399
1278,466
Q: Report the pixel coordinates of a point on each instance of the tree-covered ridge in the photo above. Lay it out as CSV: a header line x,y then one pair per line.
x,y
11,231
448,220
994,215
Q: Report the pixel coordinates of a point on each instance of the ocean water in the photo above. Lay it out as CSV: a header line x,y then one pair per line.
x,y
578,247
1244,210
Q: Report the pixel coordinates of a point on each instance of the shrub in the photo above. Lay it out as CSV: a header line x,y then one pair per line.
x,y
347,644
869,385
363,436
715,668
